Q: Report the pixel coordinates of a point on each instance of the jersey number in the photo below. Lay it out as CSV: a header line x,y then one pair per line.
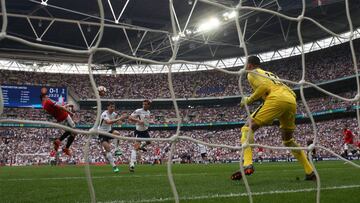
x,y
272,76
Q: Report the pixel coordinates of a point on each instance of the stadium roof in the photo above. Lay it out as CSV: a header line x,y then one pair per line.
x,y
141,29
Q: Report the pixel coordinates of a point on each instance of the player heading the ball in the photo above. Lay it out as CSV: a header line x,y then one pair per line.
x,y
63,116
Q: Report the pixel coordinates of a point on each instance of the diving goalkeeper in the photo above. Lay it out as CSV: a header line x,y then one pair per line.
x,y
279,103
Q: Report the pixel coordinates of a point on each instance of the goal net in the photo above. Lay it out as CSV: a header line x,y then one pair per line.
x,y
177,33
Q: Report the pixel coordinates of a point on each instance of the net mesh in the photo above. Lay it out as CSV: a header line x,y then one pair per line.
x,y
175,47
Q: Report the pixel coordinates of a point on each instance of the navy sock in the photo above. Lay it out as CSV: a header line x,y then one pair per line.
x,y
65,135
70,141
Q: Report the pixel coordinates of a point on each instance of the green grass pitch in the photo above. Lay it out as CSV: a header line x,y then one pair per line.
x,y
271,182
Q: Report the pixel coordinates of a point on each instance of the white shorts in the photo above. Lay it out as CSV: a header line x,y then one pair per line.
x,y
349,146
68,122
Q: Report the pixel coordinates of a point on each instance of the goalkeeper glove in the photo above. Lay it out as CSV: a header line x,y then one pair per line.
x,y
244,100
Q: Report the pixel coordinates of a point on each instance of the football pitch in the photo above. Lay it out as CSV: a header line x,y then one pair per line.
x,y
271,182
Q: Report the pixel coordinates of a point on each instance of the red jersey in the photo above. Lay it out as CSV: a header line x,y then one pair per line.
x,y
157,151
260,149
348,136
53,153
50,107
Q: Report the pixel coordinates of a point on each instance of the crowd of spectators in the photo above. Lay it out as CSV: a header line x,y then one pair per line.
x,y
323,65
21,146
192,114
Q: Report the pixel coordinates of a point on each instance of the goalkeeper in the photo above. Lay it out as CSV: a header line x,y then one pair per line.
x,y
279,103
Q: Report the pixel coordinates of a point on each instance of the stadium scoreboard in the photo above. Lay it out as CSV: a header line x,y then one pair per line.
x,y
29,96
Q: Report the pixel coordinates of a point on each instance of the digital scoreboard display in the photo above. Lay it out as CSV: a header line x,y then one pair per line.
x,y
29,96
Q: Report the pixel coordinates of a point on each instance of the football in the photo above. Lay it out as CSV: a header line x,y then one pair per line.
x,y
102,90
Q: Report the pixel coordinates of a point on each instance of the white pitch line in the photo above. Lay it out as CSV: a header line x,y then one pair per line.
x,y
234,194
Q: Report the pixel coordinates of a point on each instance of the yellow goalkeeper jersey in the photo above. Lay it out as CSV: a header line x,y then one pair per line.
x,y
268,88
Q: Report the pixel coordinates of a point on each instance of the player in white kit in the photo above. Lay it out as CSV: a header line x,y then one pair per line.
x,y
203,153
108,118
141,118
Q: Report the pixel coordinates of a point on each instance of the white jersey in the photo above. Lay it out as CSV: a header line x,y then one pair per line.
x,y
202,148
106,116
142,115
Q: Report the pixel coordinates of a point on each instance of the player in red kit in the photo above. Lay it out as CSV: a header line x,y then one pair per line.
x,y
157,159
348,142
62,116
260,153
52,158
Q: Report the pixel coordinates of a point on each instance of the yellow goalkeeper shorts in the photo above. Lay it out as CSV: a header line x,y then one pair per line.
x,y
270,110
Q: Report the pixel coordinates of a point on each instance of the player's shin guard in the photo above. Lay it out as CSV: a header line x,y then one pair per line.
x,y
133,156
299,155
248,151
70,141
110,158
